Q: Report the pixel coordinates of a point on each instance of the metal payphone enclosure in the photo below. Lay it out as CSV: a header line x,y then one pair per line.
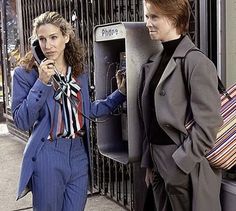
x,y
110,40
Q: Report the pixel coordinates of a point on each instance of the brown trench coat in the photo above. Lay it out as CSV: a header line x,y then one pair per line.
x,y
171,112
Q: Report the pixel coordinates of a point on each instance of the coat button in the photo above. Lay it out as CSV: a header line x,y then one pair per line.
x,y
162,92
34,159
43,139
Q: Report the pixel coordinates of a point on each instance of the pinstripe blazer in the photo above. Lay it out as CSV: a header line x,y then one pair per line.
x,y
32,109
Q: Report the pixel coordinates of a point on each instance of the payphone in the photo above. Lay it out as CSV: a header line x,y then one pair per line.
x,y
124,46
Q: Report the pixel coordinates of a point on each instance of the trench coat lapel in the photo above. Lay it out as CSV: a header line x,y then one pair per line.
x,y
149,72
150,69
168,70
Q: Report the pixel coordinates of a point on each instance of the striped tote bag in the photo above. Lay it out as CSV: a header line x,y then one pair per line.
x,y
223,154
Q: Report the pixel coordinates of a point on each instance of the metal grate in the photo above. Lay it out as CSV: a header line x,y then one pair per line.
x,y
193,23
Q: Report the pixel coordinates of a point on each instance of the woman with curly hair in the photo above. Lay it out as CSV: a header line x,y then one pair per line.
x,y
51,99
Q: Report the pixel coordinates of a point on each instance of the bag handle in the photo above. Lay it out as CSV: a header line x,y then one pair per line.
x,y
221,88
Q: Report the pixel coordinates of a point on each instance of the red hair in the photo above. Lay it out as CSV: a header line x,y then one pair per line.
x,y
178,11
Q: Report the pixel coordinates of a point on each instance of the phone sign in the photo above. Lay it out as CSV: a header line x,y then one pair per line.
x,y
111,32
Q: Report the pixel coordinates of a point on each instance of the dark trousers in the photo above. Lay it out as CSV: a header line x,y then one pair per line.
x,y
171,186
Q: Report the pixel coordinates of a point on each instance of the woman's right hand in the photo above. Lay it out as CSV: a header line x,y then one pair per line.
x,y
121,81
148,177
46,70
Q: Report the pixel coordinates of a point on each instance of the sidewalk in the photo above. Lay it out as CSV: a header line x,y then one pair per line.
x,y
11,149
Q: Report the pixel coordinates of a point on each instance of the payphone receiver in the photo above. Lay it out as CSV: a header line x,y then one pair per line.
x,y
39,55
37,51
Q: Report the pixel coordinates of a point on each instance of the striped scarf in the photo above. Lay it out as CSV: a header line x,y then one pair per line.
x,y
66,94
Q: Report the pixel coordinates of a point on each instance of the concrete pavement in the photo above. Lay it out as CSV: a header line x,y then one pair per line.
x,y
11,149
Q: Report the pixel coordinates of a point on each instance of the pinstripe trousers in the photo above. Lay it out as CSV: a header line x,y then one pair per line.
x,y
60,178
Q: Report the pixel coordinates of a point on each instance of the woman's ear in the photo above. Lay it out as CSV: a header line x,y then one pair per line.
x,y
67,38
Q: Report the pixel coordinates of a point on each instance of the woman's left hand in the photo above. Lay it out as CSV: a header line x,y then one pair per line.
x,y
121,81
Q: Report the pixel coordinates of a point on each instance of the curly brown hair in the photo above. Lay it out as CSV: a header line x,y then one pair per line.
x,y
74,51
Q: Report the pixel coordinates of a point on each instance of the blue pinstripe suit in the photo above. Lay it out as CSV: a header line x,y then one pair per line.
x,y
32,108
